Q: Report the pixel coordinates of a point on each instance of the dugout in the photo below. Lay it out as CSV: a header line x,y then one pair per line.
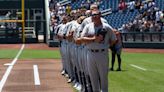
x,y
36,29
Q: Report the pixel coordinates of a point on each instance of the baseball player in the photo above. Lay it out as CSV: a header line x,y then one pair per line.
x,y
60,35
86,21
69,50
97,36
77,55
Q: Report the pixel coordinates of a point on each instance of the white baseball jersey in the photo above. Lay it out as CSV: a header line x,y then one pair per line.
x,y
91,30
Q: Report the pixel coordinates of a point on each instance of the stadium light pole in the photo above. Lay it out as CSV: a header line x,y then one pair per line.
x,y
23,20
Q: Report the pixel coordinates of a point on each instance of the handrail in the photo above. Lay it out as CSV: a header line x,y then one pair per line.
x,y
68,2
143,37
63,1
11,21
106,12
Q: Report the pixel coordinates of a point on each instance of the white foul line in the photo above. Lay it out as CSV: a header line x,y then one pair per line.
x,y
7,73
36,75
138,67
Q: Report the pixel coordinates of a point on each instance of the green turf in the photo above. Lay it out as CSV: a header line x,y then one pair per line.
x,y
135,80
40,54
30,54
8,54
128,80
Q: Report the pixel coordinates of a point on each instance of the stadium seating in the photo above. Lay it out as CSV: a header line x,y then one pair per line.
x,y
116,20
160,4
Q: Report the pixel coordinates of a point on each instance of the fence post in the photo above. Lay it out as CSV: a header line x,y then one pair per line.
x,y
143,37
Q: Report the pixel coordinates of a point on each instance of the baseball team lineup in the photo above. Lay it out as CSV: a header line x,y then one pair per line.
x,y
81,45
84,44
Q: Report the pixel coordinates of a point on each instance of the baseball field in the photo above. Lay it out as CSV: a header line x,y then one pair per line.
x,y
36,68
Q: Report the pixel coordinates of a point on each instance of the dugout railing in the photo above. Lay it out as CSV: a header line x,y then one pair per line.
x,y
143,39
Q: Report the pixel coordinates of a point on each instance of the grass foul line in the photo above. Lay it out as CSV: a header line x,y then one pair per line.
x,y
36,75
135,66
7,73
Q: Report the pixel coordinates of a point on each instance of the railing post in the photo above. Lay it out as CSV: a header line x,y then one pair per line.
x,y
160,37
134,37
143,37
125,36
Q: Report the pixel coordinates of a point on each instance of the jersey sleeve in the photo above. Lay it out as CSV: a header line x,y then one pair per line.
x,y
84,31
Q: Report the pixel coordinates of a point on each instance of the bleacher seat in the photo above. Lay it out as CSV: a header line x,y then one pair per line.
x,y
117,19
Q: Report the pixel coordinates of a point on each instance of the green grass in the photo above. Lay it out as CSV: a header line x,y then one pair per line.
x,y
129,80
40,54
8,54
30,54
135,80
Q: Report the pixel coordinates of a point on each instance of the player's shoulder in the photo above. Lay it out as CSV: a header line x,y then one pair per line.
x,y
87,20
90,25
104,20
67,23
74,23
59,25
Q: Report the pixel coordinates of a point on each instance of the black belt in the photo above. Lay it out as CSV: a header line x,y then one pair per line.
x,y
97,50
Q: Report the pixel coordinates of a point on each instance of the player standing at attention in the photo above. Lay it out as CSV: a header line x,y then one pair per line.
x,y
98,36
